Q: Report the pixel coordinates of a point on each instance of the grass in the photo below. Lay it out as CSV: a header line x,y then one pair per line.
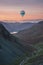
x,y
39,54
39,45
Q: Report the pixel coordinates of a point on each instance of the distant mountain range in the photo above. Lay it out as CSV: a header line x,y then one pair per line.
x,y
16,27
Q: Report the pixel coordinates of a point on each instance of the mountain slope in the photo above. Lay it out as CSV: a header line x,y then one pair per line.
x,y
34,34
33,37
10,50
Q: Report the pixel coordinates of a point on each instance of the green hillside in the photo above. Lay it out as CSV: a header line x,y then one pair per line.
x,y
33,37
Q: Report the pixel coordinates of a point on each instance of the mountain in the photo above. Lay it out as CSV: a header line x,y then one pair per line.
x,y
33,37
11,51
16,27
23,48
41,22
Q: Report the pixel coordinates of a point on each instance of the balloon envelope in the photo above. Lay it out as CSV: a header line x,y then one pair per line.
x,y
22,13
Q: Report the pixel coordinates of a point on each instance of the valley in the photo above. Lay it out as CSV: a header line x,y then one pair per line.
x,y
22,48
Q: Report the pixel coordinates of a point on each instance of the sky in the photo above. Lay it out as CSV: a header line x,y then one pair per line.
x,y
10,9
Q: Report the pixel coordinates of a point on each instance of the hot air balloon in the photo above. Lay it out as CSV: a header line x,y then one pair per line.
x,y
22,13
